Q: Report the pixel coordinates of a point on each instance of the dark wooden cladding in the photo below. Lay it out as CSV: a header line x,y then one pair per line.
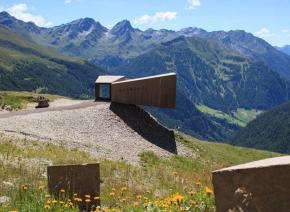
x,y
159,91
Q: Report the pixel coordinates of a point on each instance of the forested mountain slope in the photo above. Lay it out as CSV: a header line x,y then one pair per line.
x,y
270,131
25,65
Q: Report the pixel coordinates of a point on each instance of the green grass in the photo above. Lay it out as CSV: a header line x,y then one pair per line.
x,y
241,117
155,182
19,100
246,115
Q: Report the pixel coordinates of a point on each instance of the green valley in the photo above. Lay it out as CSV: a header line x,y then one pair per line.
x,y
212,75
240,117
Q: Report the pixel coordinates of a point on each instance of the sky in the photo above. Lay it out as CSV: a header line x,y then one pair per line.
x,y
268,19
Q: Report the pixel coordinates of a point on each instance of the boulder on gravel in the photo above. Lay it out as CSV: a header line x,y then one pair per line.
x,y
42,102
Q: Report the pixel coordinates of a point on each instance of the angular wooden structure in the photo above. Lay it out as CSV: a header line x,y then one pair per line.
x,y
81,179
158,90
262,185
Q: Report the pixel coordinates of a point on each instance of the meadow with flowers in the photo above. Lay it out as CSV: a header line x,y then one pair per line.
x,y
174,184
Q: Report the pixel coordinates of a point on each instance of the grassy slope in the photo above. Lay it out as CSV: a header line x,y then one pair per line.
x,y
25,65
240,117
179,174
19,100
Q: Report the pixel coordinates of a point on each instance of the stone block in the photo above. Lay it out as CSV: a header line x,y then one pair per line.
x,y
81,179
262,185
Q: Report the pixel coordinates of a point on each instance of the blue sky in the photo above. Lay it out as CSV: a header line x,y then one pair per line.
x,y
268,19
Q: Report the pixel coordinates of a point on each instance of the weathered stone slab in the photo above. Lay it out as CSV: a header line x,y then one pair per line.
x,y
75,179
262,185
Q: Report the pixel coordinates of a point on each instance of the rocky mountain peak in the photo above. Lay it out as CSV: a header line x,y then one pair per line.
x,y
5,14
192,31
122,27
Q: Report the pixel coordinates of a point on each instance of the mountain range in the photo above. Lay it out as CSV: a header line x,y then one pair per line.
x,y
225,71
285,49
109,48
26,66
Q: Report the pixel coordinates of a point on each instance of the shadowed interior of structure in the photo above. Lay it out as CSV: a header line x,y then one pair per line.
x,y
145,125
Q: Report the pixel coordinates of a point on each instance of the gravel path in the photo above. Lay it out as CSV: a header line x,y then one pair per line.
x,y
91,127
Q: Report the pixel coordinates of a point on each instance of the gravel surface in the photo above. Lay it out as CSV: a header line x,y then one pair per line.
x,y
93,128
57,103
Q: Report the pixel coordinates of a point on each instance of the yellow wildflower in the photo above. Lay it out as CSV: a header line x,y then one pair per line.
x,y
191,193
112,194
24,188
88,196
198,183
61,202
14,211
124,189
62,190
75,195
88,200
96,198
47,206
177,198
54,201
139,196
174,173
208,190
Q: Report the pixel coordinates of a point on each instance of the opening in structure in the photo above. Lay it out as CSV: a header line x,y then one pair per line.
x,y
105,92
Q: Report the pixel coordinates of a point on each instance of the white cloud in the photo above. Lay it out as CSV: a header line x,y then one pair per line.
x,y
284,30
193,4
20,11
159,16
71,1
264,32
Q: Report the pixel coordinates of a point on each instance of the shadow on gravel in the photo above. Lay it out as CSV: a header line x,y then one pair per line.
x,y
145,125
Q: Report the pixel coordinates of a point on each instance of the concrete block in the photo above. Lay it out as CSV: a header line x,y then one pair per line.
x,y
262,185
81,179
